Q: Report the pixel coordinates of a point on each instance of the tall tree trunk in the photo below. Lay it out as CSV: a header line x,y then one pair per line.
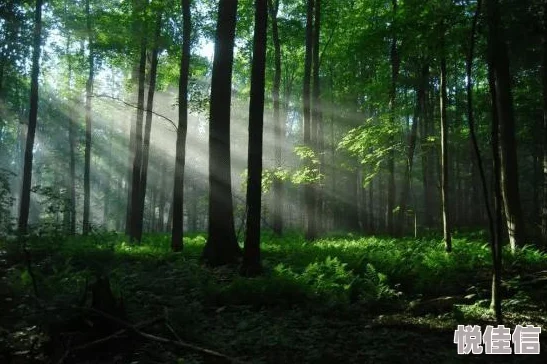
x,y
494,223
147,131
444,155
88,120
135,225
499,60
420,94
498,196
317,116
33,113
395,63
273,6
178,185
544,79
72,149
308,189
221,247
251,253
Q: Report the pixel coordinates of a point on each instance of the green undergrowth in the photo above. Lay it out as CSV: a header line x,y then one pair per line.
x,y
344,280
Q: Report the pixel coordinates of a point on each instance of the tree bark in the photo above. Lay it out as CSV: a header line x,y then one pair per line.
x,y
88,121
308,189
499,60
135,225
147,131
445,194
221,246
395,64
273,6
31,131
544,141
178,185
251,254
316,120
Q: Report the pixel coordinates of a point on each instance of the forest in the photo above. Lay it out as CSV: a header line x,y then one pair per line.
x,y
266,181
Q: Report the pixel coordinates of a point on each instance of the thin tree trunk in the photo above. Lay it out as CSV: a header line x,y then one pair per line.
x,y
147,131
444,156
317,116
306,96
221,247
72,149
251,254
395,63
410,157
31,131
178,185
135,225
88,121
544,141
273,6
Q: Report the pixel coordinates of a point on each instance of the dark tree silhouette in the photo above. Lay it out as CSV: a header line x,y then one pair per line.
x,y
221,247
33,113
251,254
306,95
273,6
88,121
178,186
499,64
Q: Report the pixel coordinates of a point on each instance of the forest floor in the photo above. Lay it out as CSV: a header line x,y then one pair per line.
x,y
342,299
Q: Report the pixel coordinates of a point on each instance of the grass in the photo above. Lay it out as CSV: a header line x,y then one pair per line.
x,y
341,299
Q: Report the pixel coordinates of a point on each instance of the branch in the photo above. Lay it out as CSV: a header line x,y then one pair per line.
x,y
179,344
135,107
109,337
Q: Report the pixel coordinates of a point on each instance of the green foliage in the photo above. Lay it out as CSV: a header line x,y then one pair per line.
x,y
6,202
371,144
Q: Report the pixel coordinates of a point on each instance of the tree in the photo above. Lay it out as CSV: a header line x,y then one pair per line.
x,y
221,246
251,254
317,116
88,121
395,65
33,113
499,63
178,186
147,129
544,80
444,151
136,215
273,6
493,224
306,96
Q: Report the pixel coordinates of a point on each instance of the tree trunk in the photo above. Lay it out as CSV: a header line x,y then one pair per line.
x,y
273,6
495,302
88,120
72,150
251,254
221,247
147,131
135,222
395,63
499,60
178,185
31,131
306,96
544,141
410,156
316,120
444,156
